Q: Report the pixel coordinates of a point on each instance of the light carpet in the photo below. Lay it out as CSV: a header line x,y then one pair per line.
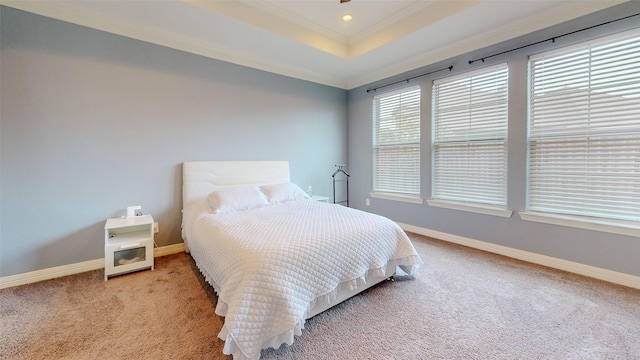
x,y
464,304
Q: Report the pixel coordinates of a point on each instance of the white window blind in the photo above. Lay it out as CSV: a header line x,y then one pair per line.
x,y
584,129
470,137
396,142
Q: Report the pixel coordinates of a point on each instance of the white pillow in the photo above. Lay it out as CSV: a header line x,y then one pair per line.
x,y
230,200
284,192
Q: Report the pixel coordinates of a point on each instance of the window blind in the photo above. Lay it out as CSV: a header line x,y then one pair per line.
x,y
470,136
584,129
396,142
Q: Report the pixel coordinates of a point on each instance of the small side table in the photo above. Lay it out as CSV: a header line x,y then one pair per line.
x,y
128,245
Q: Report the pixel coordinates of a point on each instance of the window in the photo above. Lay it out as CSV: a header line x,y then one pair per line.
x,y
584,129
470,137
396,142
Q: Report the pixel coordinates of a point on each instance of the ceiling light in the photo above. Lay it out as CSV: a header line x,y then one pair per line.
x,y
347,17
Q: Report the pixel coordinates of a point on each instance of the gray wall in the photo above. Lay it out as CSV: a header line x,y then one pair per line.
x,y
604,250
92,122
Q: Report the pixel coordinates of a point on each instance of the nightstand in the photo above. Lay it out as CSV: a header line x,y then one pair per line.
x,y
128,245
320,198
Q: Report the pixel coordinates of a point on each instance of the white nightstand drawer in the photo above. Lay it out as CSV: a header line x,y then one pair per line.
x,y
126,257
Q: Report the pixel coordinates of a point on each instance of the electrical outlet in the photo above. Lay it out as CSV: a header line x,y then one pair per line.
x,y
156,228
367,202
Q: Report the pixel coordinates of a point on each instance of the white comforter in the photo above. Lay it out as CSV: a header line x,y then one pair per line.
x,y
270,265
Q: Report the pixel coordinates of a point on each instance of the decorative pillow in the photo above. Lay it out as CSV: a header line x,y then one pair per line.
x,y
279,193
230,200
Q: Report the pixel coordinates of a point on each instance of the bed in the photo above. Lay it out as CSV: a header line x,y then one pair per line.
x,y
274,256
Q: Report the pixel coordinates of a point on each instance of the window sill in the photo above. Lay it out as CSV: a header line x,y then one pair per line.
x,y
621,227
481,209
414,199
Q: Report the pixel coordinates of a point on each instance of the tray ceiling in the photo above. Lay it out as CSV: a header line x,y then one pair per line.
x,y
307,39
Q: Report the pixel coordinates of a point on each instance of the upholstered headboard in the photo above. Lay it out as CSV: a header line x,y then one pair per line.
x,y
200,178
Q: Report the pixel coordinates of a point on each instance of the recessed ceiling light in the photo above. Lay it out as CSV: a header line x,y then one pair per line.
x,y
347,17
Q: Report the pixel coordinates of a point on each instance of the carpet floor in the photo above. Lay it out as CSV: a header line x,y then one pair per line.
x,y
464,304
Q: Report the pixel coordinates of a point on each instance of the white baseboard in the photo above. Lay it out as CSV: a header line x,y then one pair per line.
x,y
50,273
64,270
569,266
168,250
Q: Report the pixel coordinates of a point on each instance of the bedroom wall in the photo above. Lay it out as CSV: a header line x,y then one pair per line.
x,y
93,122
609,251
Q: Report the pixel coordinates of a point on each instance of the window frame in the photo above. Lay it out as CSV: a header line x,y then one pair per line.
x,y
390,193
497,208
586,220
